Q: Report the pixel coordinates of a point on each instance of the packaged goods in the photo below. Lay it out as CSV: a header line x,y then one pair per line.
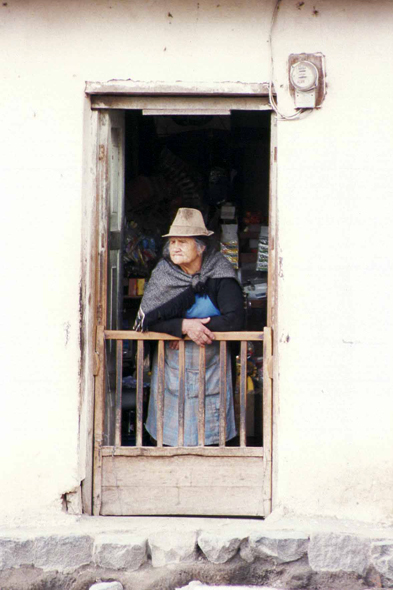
x,y
229,245
263,249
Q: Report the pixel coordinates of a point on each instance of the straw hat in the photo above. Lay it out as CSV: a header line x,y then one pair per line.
x,y
188,223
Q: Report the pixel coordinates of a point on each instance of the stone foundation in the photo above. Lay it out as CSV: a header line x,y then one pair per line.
x,y
166,554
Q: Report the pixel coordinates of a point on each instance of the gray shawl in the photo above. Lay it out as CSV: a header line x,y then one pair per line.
x,y
171,291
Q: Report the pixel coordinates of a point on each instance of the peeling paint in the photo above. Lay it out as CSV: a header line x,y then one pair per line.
x,y
280,267
72,501
67,329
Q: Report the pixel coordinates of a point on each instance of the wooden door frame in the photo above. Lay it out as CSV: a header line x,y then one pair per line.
x,y
127,94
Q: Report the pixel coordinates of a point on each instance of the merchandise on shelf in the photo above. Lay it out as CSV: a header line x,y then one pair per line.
x,y
229,243
263,249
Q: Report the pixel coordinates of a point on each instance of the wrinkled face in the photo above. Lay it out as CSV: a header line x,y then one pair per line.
x,y
185,253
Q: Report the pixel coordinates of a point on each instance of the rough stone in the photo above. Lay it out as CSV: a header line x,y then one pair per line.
x,y
246,552
107,586
334,552
16,552
64,553
218,548
172,548
283,546
120,551
382,557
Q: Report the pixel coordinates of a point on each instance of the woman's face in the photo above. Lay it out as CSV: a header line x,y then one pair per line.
x,y
185,253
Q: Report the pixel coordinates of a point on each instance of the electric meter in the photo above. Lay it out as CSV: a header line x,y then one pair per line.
x,y
304,75
304,78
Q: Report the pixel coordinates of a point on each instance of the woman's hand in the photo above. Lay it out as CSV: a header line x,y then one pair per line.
x,y
197,331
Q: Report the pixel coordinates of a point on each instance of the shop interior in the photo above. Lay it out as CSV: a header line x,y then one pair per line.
x,y
219,165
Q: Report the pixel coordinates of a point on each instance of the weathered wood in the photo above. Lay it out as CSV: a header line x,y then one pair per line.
x,y
160,393
218,336
243,393
101,300
223,393
181,393
272,261
201,396
210,451
178,87
139,393
99,413
182,485
160,105
96,364
89,358
119,390
202,493
103,196
267,419
187,111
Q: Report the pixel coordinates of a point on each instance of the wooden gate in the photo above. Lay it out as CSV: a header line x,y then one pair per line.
x,y
201,480
146,480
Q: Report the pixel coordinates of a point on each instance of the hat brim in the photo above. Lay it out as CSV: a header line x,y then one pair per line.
x,y
182,231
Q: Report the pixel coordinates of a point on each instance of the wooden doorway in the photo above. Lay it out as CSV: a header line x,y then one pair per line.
x,y
136,478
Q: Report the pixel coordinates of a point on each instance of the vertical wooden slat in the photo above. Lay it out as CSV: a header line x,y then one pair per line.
x,y
160,393
201,396
119,389
267,426
99,414
223,392
139,392
181,393
101,302
272,261
243,392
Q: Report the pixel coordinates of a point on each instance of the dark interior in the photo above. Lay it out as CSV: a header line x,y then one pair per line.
x,y
219,165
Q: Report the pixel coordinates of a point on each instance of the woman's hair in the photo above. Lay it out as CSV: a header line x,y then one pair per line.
x,y
205,245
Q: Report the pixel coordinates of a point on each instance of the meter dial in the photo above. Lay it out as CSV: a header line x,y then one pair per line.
x,y
304,75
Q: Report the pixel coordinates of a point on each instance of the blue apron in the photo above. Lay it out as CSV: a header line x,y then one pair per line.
x,y
203,307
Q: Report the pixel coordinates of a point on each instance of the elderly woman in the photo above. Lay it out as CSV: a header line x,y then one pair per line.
x,y
194,292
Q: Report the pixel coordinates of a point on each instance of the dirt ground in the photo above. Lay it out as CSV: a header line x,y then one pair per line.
x,y
293,576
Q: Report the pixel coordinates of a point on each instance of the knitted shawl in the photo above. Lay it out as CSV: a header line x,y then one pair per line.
x,y
171,291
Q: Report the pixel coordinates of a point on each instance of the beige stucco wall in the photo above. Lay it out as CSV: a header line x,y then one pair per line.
x,y
333,402
335,408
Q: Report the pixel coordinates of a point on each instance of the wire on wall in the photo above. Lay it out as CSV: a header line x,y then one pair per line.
x,y
272,100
